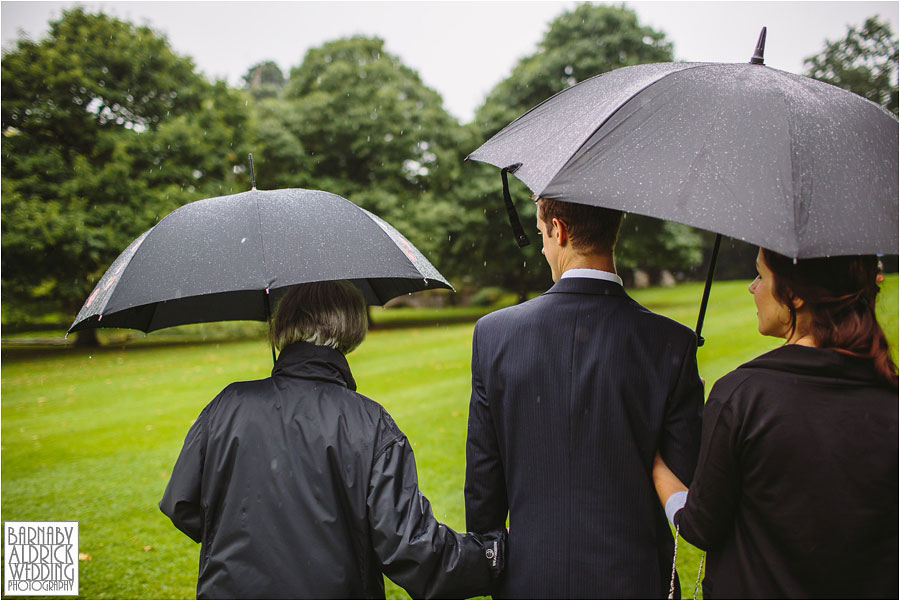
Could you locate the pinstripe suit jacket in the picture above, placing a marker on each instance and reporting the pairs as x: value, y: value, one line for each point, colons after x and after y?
x: 573, y: 392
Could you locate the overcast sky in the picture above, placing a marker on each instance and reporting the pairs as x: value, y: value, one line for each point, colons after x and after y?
x: 461, y: 49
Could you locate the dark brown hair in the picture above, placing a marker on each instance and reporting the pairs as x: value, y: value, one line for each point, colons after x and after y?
x: 840, y: 294
x: 593, y: 230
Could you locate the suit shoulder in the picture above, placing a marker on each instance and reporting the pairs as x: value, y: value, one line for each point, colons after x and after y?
x: 663, y: 324
x: 513, y: 313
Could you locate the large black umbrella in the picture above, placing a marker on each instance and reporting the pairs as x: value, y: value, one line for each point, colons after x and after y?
x: 225, y: 258
x: 786, y: 162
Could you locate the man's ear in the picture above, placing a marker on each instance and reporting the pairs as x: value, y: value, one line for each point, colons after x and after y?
x: 798, y: 303
x: 560, y: 232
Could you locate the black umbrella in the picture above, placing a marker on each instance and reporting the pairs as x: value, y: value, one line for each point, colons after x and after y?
x: 224, y: 258
x: 786, y: 162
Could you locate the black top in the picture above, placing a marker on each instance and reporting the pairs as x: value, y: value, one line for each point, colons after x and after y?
x: 298, y: 487
x: 573, y: 392
x: 795, y: 493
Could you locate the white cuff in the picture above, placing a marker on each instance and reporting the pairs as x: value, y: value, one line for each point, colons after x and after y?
x: 675, y: 502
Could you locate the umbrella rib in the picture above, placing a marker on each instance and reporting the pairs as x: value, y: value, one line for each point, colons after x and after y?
x: 608, y: 117
x: 796, y: 190
x: 415, y: 267
x: 690, y: 168
x: 116, y: 277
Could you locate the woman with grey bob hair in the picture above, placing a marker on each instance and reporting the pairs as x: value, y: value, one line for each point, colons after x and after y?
x: 297, y: 486
x: 329, y: 314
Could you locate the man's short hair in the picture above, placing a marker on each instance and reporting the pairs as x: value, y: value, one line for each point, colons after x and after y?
x: 329, y: 313
x: 592, y: 230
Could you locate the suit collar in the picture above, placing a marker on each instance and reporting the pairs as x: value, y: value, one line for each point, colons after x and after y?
x: 314, y: 362
x: 587, y: 286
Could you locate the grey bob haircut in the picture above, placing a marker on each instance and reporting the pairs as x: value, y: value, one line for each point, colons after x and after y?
x: 331, y: 313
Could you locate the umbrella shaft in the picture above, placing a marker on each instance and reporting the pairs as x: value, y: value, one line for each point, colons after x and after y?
x: 269, y: 320
x: 706, y: 289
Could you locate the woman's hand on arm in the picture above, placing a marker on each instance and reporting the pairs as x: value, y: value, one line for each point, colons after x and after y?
x: 667, y: 483
x: 672, y: 491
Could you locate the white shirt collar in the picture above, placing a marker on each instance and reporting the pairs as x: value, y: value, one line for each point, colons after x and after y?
x: 597, y: 274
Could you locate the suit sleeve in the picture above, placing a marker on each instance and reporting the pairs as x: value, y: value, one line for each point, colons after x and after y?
x: 181, y: 500
x: 680, y: 438
x: 709, y: 513
x: 425, y: 557
x: 485, y: 491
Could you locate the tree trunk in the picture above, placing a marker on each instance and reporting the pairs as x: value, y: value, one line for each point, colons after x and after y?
x: 87, y: 339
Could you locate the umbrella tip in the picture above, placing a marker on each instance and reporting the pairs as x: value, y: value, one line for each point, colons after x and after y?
x: 757, y: 58
x: 252, y: 174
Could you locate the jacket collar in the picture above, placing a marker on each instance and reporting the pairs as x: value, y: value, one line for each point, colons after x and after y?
x: 804, y: 360
x: 587, y: 286
x: 314, y: 362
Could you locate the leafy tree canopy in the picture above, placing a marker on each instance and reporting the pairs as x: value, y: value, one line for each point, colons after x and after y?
x: 864, y: 62
x: 587, y: 41
x: 264, y: 80
x: 94, y: 73
x: 105, y: 130
x: 366, y: 118
x: 369, y: 129
x: 584, y: 42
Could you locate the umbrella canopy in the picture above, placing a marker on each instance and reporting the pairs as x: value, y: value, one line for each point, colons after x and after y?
x: 223, y: 258
x: 786, y: 162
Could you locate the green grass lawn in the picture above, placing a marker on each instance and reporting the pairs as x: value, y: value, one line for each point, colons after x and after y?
x: 90, y: 436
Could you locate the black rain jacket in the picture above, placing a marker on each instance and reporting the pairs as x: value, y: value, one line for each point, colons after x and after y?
x: 795, y: 494
x: 298, y: 487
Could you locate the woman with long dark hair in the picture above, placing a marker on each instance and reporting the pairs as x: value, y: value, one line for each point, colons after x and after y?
x: 796, y: 489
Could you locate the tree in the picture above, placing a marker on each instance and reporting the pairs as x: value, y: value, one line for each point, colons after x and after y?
x: 105, y: 130
x: 587, y: 41
x: 264, y: 80
x: 356, y: 121
x: 864, y: 62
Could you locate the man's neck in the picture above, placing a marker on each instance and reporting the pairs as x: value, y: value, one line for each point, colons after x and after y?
x: 604, y: 262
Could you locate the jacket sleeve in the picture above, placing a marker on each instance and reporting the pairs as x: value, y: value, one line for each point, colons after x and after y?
x: 680, y: 437
x: 181, y: 500
x: 709, y: 513
x: 486, y: 501
x: 425, y: 557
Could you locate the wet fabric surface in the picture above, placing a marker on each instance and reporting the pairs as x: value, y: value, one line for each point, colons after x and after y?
x: 778, y: 160
x: 298, y: 487
x: 218, y: 259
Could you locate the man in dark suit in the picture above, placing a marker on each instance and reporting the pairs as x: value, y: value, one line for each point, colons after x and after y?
x: 573, y: 393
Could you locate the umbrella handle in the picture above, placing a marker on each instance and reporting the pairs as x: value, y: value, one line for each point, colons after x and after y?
x: 518, y: 232
x: 706, y: 289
